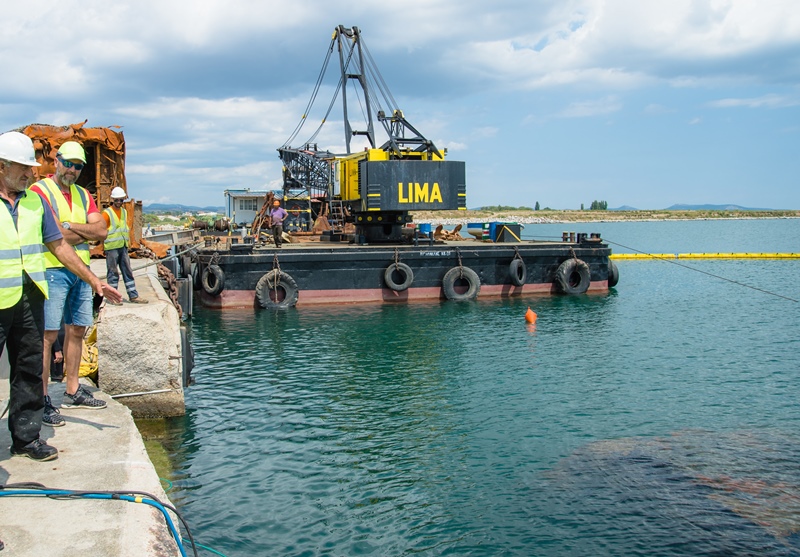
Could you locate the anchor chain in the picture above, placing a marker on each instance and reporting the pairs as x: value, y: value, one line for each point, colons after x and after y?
x: 172, y: 287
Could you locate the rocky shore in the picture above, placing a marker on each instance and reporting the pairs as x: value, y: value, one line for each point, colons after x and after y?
x: 558, y: 217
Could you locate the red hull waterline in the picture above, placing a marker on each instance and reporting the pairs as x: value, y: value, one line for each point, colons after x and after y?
x: 231, y: 299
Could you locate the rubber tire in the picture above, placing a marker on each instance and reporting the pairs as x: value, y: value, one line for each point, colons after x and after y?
x: 518, y: 272
x: 213, y: 280
x: 403, y: 269
x: 565, y: 275
x: 613, y: 274
x: 285, y: 282
x: 453, y: 275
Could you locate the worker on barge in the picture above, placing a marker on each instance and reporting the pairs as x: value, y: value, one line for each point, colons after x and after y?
x: 277, y: 215
x: 26, y: 226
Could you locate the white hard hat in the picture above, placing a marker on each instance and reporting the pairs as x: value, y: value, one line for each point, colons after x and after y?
x: 17, y: 147
x: 118, y: 193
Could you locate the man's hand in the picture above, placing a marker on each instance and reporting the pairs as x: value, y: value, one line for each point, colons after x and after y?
x: 104, y: 289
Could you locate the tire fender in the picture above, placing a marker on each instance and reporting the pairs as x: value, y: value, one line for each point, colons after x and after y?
x: 404, y: 271
x: 213, y: 280
x: 285, y: 284
x: 573, y: 276
x: 518, y: 272
x: 613, y: 274
x: 453, y: 275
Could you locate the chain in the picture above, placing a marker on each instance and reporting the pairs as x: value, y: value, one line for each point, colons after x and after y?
x: 172, y: 286
x: 276, y: 270
x: 460, y: 264
x: 396, y: 258
x: 516, y: 253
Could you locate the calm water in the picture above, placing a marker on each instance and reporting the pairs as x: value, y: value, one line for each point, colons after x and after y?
x: 658, y: 419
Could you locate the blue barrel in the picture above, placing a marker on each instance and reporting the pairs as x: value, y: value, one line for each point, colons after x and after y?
x: 425, y: 228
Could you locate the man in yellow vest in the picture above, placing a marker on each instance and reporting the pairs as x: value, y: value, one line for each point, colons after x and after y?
x: 70, y: 299
x: 26, y: 227
x: 116, y: 246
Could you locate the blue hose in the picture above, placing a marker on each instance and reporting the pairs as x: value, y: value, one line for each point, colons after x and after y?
x: 86, y: 495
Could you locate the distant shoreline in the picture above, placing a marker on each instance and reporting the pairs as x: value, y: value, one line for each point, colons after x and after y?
x: 567, y: 217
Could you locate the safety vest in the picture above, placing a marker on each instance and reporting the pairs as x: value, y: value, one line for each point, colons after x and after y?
x: 118, y: 232
x: 21, y: 249
x: 78, y: 214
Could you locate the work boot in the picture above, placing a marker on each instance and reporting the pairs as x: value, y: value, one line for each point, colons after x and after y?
x: 37, y: 450
x: 137, y: 300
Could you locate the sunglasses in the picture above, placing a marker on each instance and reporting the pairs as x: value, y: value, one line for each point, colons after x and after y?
x: 69, y: 164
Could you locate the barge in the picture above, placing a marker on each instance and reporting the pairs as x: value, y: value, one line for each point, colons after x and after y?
x: 245, y: 275
x: 364, y: 246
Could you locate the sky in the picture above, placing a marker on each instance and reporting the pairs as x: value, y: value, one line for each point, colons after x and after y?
x: 639, y: 103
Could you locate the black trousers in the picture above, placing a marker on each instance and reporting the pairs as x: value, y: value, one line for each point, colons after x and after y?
x: 277, y: 234
x: 21, y: 332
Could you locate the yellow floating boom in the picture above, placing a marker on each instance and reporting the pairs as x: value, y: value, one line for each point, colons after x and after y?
x: 705, y: 256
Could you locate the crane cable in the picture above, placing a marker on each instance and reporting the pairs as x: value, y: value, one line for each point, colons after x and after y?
x: 314, y: 94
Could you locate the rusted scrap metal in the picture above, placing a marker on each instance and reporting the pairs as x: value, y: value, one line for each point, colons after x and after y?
x: 452, y: 235
x: 159, y: 250
x: 105, y: 165
x: 105, y: 154
x: 262, y: 219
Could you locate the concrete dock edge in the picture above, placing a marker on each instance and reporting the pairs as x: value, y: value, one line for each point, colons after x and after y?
x: 99, y: 451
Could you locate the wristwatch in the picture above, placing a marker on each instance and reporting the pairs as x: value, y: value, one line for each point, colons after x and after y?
x: 65, y: 225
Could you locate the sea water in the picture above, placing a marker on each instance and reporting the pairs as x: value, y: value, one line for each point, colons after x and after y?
x: 659, y: 418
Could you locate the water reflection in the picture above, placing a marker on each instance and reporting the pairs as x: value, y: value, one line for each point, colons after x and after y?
x: 690, y: 493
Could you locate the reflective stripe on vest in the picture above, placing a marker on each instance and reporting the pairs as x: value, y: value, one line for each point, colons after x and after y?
x: 77, y: 214
x: 118, y: 232
x: 21, y: 249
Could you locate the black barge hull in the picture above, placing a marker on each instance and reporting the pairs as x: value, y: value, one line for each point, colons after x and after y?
x: 233, y: 276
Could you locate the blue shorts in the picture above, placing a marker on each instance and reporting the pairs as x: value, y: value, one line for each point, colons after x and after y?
x: 70, y: 299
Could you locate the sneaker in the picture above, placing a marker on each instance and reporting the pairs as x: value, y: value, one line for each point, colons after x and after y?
x: 52, y: 416
x: 114, y: 303
x: 37, y: 450
x: 82, y: 399
x: 137, y: 300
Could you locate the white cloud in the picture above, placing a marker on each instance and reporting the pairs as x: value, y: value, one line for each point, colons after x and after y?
x: 765, y: 101
x: 596, y: 107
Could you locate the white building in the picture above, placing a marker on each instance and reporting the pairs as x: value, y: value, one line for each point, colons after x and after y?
x: 242, y: 206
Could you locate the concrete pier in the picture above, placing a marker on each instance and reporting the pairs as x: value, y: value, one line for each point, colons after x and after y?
x: 99, y: 450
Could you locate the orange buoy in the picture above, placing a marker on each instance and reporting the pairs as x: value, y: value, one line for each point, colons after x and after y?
x: 530, y: 316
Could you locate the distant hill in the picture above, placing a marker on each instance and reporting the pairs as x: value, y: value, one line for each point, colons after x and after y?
x: 713, y: 208
x: 178, y: 208
x: 623, y: 208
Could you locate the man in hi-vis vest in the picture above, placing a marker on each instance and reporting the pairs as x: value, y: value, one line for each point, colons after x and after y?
x: 116, y: 245
x: 70, y: 298
x: 26, y: 227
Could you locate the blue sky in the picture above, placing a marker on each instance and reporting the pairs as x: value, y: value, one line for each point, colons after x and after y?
x: 642, y: 103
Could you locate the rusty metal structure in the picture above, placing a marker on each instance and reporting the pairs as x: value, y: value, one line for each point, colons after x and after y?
x: 105, y: 164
